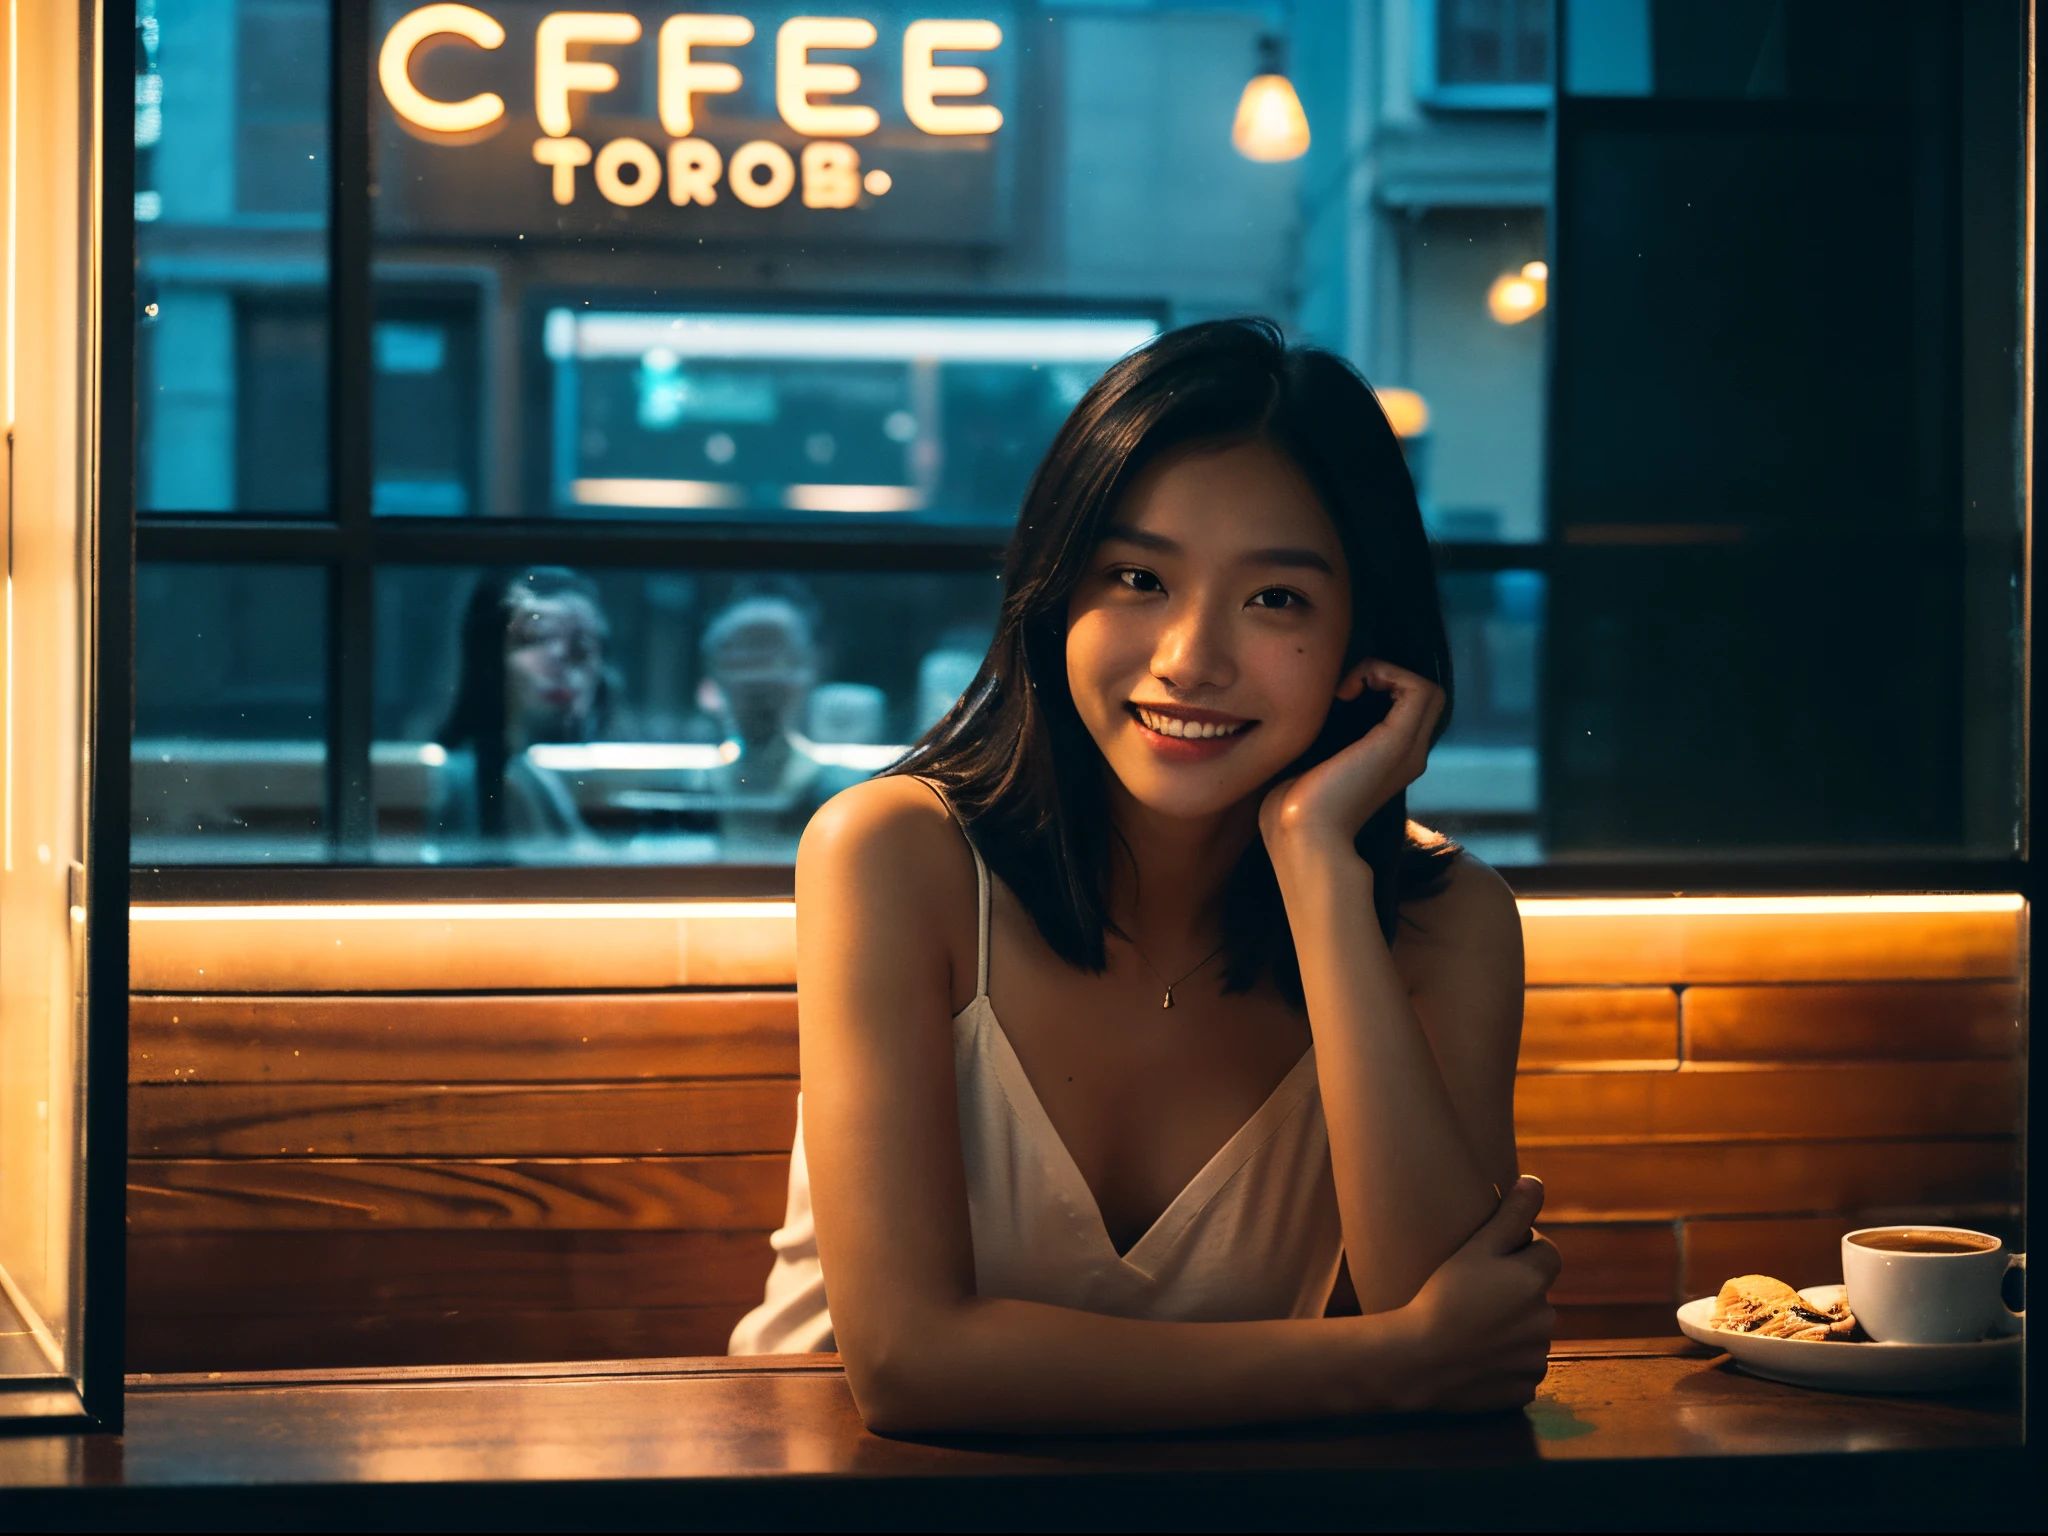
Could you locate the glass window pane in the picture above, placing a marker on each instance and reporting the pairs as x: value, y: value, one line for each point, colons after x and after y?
x: 550, y: 715
x: 230, y: 755
x: 1482, y: 784
x: 231, y: 204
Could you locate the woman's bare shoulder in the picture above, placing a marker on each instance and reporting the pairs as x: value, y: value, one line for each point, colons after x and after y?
x: 1469, y: 921
x: 892, y: 838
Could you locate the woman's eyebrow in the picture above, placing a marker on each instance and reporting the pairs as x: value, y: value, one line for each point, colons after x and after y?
x: 1293, y: 559
x: 1124, y: 533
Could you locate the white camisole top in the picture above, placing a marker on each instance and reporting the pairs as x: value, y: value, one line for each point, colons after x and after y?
x: 1254, y: 1235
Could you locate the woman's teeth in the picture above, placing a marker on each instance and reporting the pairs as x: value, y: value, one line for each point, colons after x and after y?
x: 1189, y: 730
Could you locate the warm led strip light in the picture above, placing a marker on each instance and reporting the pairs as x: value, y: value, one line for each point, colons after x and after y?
x: 618, y: 911
x: 463, y: 911
x: 1762, y: 906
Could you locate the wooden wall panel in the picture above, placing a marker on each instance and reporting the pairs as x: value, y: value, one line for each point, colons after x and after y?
x: 544, y: 1037
x: 166, y: 1342
x: 1936, y: 1021
x: 1575, y: 1026
x: 1615, y: 1265
x: 689, y: 1194
x: 463, y: 947
x: 1662, y: 1181
x: 460, y: 1120
x: 233, y: 1275
x: 1584, y: 943
x: 1748, y: 1101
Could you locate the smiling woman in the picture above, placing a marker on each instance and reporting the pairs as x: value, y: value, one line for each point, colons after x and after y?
x: 1219, y: 665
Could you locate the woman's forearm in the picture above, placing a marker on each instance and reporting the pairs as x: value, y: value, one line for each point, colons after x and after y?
x: 993, y: 1364
x: 1410, y: 1187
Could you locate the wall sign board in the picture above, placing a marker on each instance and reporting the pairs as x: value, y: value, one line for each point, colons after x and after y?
x: 513, y: 118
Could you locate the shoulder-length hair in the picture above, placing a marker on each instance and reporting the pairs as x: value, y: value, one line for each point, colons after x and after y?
x: 476, y: 719
x: 1013, y: 755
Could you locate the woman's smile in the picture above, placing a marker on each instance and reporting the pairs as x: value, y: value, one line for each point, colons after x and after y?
x: 1182, y: 734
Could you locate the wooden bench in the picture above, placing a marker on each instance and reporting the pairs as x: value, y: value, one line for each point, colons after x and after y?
x: 420, y: 1135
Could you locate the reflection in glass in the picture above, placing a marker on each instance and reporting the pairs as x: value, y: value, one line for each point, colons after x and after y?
x: 808, y: 416
x: 229, y: 758
x: 553, y: 716
x: 231, y: 212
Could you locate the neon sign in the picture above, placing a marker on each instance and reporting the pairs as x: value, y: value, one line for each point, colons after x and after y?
x: 626, y: 171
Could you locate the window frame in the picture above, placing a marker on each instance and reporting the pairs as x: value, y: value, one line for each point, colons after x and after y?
x: 351, y: 544
x: 1432, y: 91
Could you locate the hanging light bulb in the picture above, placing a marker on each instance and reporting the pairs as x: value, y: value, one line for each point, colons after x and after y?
x: 1515, y: 296
x: 1270, y: 124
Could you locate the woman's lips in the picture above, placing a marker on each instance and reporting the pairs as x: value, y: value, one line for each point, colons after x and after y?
x: 1185, y: 735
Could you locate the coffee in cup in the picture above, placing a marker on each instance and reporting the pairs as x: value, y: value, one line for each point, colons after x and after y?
x: 1911, y: 1284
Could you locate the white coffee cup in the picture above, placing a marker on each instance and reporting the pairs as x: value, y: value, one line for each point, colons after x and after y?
x: 1914, y: 1284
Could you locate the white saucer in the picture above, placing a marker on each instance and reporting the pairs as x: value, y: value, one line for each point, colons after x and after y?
x: 1867, y: 1366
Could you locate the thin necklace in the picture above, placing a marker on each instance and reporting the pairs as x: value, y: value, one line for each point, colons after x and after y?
x: 1170, y: 985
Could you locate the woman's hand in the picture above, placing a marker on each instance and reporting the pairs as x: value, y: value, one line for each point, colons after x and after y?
x: 1481, y: 1325
x: 1324, y: 807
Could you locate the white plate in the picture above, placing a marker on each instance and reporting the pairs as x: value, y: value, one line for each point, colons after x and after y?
x: 1856, y: 1367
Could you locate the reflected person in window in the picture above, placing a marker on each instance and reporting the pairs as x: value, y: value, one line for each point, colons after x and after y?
x: 533, y: 672
x: 1103, y: 1099
x: 761, y: 664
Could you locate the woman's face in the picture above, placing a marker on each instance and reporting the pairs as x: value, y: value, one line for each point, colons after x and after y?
x: 1206, y: 640
x: 554, y: 657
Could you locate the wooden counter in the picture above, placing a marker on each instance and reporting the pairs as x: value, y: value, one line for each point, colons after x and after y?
x: 1623, y: 1434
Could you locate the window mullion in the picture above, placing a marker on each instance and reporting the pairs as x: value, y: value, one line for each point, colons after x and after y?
x: 350, y: 794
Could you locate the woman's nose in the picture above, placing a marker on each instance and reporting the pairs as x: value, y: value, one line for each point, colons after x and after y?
x: 1194, y: 650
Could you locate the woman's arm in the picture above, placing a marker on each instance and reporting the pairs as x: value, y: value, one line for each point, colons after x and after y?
x: 885, y: 912
x: 1418, y: 1090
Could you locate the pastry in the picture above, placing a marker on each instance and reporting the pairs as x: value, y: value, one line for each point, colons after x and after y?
x: 1761, y: 1305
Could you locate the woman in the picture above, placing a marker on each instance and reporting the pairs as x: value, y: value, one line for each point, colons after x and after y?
x: 1098, y: 1096
x: 533, y: 671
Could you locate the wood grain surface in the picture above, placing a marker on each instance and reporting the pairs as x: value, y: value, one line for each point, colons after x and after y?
x: 545, y: 1037
x: 1921, y: 1021
x: 742, y: 1193
x: 436, y: 1120
x: 1581, y: 1026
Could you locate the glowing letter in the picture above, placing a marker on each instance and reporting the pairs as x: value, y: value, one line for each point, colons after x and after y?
x: 797, y: 79
x: 618, y: 154
x: 564, y: 155
x: 922, y: 79
x: 831, y: 175
x: 739, y: 175
x: 555, y: 74
x: 693, y: 171
x: 394, y: 63
x: 682, y: 76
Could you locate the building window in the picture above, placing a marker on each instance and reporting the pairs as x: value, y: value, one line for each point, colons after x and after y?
x: 1483, y: 54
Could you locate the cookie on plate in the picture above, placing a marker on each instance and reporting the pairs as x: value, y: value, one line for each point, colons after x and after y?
x: 1763, y: 1305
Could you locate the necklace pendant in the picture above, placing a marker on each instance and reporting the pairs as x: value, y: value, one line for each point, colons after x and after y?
x: 1169, y: 999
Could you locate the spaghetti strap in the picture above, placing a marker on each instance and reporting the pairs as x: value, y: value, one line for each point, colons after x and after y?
x: 981, y: 892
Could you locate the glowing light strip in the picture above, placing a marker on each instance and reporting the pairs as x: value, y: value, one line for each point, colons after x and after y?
x: 617, y: 911
x: 862, y: 338
x: 1763, y: 906
x: 657, y: 493
x: 466, y: 912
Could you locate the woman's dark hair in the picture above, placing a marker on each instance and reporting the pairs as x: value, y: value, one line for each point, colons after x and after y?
x: 477, y: 717
x: 1014, y: 756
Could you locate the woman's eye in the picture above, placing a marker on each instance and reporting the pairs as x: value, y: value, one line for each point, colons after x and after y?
x: 1277, y: 597
x: 1137, y: 580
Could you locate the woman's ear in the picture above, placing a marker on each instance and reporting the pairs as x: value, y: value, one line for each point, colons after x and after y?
x: 1352, y: 684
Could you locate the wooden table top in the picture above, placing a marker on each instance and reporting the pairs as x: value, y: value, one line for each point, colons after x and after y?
x: 738, y: 1438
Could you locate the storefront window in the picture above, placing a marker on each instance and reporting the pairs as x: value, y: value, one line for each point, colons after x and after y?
x: 683, y: 314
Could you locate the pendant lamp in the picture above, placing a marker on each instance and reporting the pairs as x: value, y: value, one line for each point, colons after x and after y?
x: 1270, y: 124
